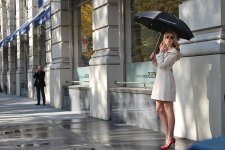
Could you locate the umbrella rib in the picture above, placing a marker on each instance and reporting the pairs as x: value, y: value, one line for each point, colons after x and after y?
x: 167, y: 21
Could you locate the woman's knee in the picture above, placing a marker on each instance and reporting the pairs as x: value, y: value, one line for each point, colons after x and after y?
x: 160, y: 108
x: 168, y: 107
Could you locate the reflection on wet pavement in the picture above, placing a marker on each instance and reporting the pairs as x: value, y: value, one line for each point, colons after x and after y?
x: 82, y: 134
x: 47, y: 128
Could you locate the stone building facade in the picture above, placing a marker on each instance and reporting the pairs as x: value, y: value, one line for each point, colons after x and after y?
x: 29, y: 38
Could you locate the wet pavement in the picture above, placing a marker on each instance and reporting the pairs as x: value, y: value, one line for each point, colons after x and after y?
x: 25, y: 126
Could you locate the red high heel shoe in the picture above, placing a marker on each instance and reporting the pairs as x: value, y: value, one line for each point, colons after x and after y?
x: 167, y: 146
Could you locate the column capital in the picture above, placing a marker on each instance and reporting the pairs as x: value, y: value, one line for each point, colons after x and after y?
x: 202, y: 14
x: 206, y: 19
x: 106, y: 33
x: 105, y: 57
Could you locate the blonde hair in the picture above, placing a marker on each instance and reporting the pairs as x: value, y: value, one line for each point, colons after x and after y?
x: 175, y: 42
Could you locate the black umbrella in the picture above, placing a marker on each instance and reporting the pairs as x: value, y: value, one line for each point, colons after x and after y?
x: 162, y: 21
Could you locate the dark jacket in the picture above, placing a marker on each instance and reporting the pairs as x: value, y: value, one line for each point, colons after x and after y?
x: 39, y: 78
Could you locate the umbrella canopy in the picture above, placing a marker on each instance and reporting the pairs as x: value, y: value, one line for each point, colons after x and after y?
x: 162, y: 21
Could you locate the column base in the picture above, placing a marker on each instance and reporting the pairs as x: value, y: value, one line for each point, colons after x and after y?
x: 102, y: 78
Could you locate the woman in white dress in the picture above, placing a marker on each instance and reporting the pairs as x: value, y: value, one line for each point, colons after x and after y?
x: 164, y: 89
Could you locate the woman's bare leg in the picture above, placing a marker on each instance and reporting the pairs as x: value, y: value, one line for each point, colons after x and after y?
x: 168, y: 106
x: 162, y: 115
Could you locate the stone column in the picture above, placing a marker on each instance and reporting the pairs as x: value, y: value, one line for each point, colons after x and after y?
x: 41, y: 45
x: 1, y: 66
x: 60, y: 68
x: 22, y: 43
x: 48, y: 49
x: 4, y: 49
x: 11, y: 74
x: 200, y: 75
x: 33, y: 48
x: 105, y: 62
x: 4, y: 68
x: 1, y: 48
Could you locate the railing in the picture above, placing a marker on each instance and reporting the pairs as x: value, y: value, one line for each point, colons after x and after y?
x: 78, y: 83
x: 116, y: 83
x: 124, y: 83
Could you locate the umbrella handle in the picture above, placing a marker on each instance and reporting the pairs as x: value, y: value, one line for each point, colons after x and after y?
x: 157, y: 44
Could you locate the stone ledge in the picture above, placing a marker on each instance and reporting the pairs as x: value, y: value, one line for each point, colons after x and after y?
x: 147, y: 91
x: 81, y: 87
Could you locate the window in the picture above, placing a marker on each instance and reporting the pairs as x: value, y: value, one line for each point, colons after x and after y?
x: 82, y: 39
x: 85, y: 37
x: 143, y: 39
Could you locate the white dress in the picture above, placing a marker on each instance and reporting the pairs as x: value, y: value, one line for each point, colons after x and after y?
x: 164, y: 88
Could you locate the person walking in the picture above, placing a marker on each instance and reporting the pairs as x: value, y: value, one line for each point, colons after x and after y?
x: 164, y: 89
x: 39, y: 83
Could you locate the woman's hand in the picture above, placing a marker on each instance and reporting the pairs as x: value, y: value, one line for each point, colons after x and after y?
x: 162, y: 47
x: 153, y: 57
